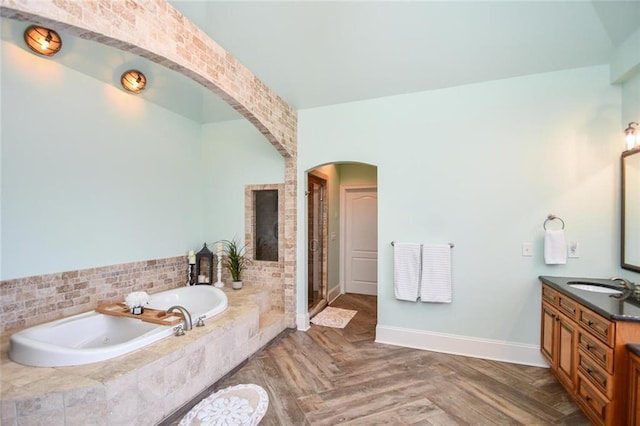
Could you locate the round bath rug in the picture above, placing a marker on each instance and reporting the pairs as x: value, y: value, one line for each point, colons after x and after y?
x: 243, y: 405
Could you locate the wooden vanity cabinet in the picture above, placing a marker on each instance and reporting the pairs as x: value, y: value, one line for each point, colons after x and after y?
x: 587, y: 354
x: 558, y: 337
x: 634, y: 389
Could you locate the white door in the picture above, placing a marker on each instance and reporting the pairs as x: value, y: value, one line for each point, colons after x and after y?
x: 361, y: 241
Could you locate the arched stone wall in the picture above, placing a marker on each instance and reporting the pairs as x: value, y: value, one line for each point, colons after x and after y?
x: 153, y: 29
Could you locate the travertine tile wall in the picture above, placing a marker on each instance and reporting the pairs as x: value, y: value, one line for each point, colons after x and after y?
x: 154, y: 30
x: 290, y: 239
x: 34, y: 300
x: 268, y: 275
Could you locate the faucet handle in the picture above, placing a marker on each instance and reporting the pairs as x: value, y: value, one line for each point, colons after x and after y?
x: 179, y: 330
x: 200, y: 322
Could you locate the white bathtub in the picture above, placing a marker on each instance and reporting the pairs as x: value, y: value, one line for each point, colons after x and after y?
x: 92, y: 336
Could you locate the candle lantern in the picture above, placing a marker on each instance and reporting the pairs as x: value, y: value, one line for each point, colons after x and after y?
x: 204, y: 266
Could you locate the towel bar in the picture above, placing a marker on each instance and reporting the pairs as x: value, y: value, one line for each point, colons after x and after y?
x: 450, y: 244
x: 552, y: 217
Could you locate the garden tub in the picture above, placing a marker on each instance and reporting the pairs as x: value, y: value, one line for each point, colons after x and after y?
x: 92, y: 336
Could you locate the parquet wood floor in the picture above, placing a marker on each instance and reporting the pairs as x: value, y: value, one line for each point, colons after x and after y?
x: 329, y: 376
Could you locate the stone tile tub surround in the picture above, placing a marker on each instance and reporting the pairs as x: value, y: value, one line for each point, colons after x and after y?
x: 38, y: 299
x: 147, y: 385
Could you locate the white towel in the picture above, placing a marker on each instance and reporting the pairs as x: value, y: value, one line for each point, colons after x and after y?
x: 435, y: 284
x: 406, y: 270
x: 555, y: 247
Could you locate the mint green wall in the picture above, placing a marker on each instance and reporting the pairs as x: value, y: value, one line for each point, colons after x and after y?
x: 357, y: 174
x: 91, y: 175
x: 481, y: 166
x: 625, y: 70
x: 94, y: 176
x: 631, y: 112
x: 631, y: 101
x: 234, y: 154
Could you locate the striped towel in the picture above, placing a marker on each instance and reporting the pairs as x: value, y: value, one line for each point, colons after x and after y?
x: 435, y: 283
x: 406, y: 270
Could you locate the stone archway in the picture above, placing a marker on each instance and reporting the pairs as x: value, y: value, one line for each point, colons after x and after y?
x: 158, y: 32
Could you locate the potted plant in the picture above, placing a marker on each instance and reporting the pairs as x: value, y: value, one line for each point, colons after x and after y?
x: 237, y: 261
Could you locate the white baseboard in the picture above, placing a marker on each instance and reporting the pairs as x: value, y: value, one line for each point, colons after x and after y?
x: 302, y: 321
x: 333, y: 294
x: 516, y: 353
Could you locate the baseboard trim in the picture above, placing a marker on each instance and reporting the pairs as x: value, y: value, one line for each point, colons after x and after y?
x: 516, y: 353
x: 333, y: 294
x: 302, y: 321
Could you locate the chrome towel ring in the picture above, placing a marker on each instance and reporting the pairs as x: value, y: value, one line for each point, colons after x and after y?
x: 551, y: 217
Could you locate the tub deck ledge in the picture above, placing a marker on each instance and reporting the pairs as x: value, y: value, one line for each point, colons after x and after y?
x: 144, y: 386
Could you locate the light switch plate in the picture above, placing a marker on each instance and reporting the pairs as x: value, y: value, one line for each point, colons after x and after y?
x: 527, y: 249
x: 573, y: 249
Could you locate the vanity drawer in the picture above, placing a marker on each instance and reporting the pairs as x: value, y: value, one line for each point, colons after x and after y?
x: 601, y: 353
x: 596, y: 406
x: 549, y: 295
x: 600, y: 327
x: 597, y: 376
x: 567, y: 306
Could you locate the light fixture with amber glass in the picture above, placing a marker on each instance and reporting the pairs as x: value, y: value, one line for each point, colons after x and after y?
x: 133, y: 81
x: 42, y: 40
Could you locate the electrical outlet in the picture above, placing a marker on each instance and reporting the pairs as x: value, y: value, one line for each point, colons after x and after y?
x: 527, y: 249
x: 573, y: 249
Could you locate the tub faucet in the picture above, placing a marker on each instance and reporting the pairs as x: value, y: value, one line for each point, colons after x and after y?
x: 185, y: 314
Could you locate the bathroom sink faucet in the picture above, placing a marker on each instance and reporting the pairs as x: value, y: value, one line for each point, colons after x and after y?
x: 185, y: 314
x: 626, y: 284
x: 628, y: 287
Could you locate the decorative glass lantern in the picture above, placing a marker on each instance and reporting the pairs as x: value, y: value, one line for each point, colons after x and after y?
x: 204, y: 266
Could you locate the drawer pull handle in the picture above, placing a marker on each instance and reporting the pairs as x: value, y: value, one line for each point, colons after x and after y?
x: 589, y: 347
x: 590, y: 323
x: 589, y: 370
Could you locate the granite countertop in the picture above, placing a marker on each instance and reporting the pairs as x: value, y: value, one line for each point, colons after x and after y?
x: 634, y: 347
x: 608, y: 307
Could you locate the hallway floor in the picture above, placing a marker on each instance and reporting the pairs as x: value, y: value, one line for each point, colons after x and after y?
x: 329, y: 376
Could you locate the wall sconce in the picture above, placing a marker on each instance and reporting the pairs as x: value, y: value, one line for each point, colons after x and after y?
x: 133, y: 81
x: 42, y: 40
x: 631, y: 135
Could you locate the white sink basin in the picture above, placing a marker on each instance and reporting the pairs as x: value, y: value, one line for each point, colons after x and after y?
x: 596, y: 288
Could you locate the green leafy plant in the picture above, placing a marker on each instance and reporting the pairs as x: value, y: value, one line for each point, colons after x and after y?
x: 237, y: 260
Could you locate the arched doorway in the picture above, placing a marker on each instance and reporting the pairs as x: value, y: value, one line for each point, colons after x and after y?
x: 341, y: 229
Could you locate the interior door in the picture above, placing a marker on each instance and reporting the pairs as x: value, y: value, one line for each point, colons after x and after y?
x: 361, y: 241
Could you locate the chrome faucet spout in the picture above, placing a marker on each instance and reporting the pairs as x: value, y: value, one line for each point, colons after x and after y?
x: 628, y: 288
x: 625, y: 283
x: 185, y: 313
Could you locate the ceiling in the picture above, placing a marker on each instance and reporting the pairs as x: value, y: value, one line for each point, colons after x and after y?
x: 316, y: 53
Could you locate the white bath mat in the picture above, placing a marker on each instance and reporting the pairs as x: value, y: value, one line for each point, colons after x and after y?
x: 242, y: 405
x: 334, y: 317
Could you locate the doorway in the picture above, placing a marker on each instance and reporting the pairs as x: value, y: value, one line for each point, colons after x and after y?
x: 316, y: 243
x: 327, y: 232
